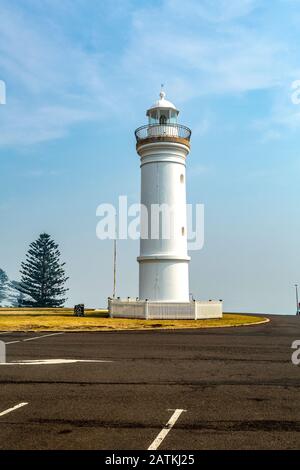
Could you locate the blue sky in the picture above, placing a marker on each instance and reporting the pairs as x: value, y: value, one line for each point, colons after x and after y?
x: 80, y: 75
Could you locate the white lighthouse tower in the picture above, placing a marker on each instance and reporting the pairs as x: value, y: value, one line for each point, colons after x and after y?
x: 163, y: 146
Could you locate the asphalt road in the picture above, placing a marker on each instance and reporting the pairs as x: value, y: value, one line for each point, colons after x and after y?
x: 238, y: 386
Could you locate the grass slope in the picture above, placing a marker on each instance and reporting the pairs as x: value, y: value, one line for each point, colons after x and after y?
x: 25, y: 319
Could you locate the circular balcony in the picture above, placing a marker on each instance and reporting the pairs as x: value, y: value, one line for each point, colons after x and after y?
x: 163, y: 133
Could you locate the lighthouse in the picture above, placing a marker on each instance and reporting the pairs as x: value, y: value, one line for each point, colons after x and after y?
x: 163, y: 146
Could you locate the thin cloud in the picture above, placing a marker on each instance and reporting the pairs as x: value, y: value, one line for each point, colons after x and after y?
x: 58, y: 77
x: 198, y: 170
x: 52, y: 83
x: 216, y: 11
x: 282, y: 119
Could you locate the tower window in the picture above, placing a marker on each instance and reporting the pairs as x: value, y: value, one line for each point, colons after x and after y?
x: 181, y: 178
x: 162, y: 119
x: 182, y: 231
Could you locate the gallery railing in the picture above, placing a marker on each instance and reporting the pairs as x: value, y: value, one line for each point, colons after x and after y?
x: 162, y: 130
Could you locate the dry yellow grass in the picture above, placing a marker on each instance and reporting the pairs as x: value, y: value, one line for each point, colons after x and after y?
x: 12, y: 319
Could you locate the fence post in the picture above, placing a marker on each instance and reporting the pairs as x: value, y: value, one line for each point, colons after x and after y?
x: 146, y: 310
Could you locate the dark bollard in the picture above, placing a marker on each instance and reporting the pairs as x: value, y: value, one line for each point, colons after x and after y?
x: 79, y: 310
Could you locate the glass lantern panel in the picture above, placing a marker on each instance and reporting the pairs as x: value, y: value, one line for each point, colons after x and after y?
x: 153, y: 118
x: 173, y: 118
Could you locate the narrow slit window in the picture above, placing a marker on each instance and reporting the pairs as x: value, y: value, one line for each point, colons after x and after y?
x: 181, y: 178
x: 182, y: 231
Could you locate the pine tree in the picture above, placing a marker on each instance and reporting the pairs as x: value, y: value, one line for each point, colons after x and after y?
x: 43, y: 275
x: 3, y: 285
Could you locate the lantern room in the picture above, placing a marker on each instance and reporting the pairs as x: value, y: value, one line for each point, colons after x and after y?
x: 162, y: 111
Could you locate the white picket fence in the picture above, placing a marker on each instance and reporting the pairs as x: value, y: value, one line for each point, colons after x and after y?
x: 127, y: 308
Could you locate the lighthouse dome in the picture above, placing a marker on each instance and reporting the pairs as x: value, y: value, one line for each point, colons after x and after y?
x: 162, y: 103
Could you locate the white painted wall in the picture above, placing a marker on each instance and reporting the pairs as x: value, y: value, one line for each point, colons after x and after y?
x: 163, y: 280
x: 163, y: 271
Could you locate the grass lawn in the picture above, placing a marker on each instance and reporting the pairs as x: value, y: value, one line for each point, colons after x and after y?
x: 56, y: 319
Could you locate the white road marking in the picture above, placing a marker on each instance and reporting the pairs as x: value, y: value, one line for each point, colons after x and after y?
x: 165, y: 431
x: 45, y: 361
x: 35, y: 337
x: 40, y: 362
x: 2, y: 352
x: 43, y: 336
x: 13, y: 409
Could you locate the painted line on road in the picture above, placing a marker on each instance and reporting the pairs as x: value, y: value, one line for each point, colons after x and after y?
x: 13, y: 409
x: 43, y: 336
x: 34, y: 338
x: 41, y: 362
x: 165, y: 431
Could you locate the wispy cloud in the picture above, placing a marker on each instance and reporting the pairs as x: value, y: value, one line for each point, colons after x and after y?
x: 198, y: 170
x: 282, y: 118
x: 30, y: 125
x: 40, y: 172
x: 64, y: 65
x: 52, y: 83
x: 198, y: 58
x: 216, y: 11
x: 202, y: 127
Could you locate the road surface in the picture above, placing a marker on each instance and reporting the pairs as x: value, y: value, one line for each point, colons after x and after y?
x: 237, y: 386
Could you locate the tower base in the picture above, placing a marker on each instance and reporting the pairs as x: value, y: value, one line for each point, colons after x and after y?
x: 155, y: 310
